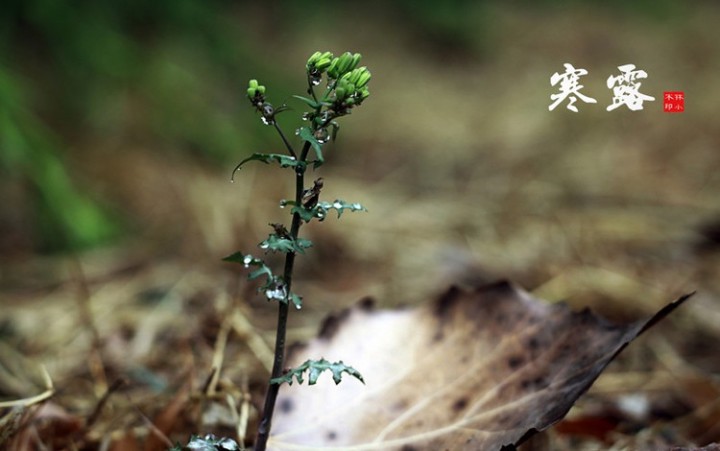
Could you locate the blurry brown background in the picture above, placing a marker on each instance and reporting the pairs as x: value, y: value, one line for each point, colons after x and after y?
x: 120, y: 124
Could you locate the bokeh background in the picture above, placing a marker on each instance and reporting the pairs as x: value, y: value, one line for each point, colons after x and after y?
x: 121, y: 121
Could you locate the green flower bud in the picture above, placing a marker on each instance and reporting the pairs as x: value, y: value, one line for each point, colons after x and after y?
x: 358, y: 76
x: 251, y: 92
x: 340, y: 93
x: 348, y: 76
x: 355, y: 61
x: 261, y: 89
x: 313, y: 58
x: 332, y: 70
x: 345, y: 85
x: 323, y: 64
x: 343, y: 64
x: 363, y: 78
x: 318, y: 62
x: 346, y: 59
x: 253, y: 83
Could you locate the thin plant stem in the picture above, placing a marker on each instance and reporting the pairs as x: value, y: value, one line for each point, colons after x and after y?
x: 283, y: 310
x: 284, y: 140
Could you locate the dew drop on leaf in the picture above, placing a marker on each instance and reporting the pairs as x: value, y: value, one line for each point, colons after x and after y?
x: 279, y: 293
x: 322, y: 136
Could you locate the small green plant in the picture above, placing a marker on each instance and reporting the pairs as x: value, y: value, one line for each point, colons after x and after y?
x: 345, y: 88
x: 208, y: 443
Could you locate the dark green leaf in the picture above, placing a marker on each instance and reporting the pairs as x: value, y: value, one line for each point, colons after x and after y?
x: 237, y: 257
x: 315, y: 368
x: 262, y: 271
x: 306, y: 133
x: 320, y: 210
x: 311, y: 103
x: 274, y: 286
x: 211, y: 443
x: 285, y: 161
x: 340, y: 206
x: 276, y: 243
x: 302, y: 243
x: 305, y: 214
x: 297, y: 300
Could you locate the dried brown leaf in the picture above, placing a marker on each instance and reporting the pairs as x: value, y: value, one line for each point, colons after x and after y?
x: 474, y: 370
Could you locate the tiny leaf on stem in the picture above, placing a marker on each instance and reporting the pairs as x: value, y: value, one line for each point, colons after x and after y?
x: 274, y: 286
x: 275, y: 243
x: 320, y: 210
x: 210, y: 443
x: 285, y: 161
x: 315, y: 368
x: 306, y: 133
x: 340, y: 206
x: 310, y: 102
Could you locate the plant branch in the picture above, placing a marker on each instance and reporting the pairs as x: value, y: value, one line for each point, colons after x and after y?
x: 311, y: 89
x: 283, y: 311
x: 285, y: 141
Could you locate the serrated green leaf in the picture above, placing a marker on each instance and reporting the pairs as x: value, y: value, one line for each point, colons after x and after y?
x: 320, y: 211
x: 285, y: 161
x: 274, y: 286
x: 211, y: 443
x: 340, y: 206
x: 314, y: 373
x: 315, y: 368
x: 275, y: 243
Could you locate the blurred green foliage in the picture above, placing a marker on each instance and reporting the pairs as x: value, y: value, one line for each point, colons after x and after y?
x: 171, y: 75
x: 65, y: 219
x: 152, y: 72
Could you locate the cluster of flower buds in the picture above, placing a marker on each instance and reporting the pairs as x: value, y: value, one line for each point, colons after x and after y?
x: 347, y: 83
x: 256, y: 94
x: 255, y: 91
x: 351, y: 88
x: 322, y: 62
x: 343, y: 64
